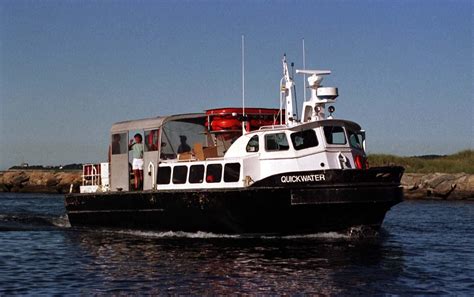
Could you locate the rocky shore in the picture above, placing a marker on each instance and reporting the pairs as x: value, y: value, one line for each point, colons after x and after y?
x: 441, y: 186
x: 40, y: 181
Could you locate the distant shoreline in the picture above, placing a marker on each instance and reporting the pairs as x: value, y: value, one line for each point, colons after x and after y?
x: 460, y: 162
x: 431, y: 186
x: 40, y: 180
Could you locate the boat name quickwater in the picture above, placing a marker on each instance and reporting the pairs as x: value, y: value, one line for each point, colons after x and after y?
x: 302, y: 178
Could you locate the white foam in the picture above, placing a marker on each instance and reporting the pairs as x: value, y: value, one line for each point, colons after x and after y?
x: 177, y: 234
x: 62, y: 221
x: 322, y: 235
x: 210, y: 235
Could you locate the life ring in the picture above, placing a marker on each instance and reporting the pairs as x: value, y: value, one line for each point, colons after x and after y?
x: 225, y: 124
x: 255, y: 124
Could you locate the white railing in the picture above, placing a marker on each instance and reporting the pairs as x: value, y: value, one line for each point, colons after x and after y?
x: 90, y: 175
x: 95, y: 178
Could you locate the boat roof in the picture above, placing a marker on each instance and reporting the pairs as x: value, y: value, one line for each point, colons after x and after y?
x: 149, y: 123
x: 157, y: 122
x: 310, y: 125
x: 333, y: 122
x: 248, y: 111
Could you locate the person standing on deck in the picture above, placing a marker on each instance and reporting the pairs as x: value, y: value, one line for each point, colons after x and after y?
x: 136, y: 146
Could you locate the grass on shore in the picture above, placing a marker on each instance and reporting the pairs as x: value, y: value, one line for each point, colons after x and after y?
x: 460, y: 162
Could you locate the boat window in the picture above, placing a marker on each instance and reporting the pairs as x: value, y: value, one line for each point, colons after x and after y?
x: 151, y: 140
x: 334, y: 135
x: 252, y: 145
x: 276, y: 142
x: 355, y: 139
x: 214, y: 173
x: 304, y: 139
x: 196, y: 174
x: 119, y: 144
x: 180, y: 136
x: 231, y: 172
x: 164, y: 175
x: 179, y: 174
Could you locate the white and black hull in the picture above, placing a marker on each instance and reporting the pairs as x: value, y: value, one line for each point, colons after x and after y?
x: 288, y: 203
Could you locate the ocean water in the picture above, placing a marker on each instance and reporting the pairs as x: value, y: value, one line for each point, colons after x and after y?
x: 424, y: 248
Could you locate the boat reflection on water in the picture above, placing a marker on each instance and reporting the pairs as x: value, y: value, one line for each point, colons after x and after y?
x: 326, y: 263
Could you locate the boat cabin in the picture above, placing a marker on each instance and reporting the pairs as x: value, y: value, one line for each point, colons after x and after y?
x: 178, y: 139
x: 183, y: 151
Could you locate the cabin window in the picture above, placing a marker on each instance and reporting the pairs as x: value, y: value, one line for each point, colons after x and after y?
x: 164, y: 175
x: 119, y: 144
x: 151, y: 140
x: 231, y: 172
x: 276, y: 142
x: 180, y: 136
x: 334, y: 135
x: 304, y: 139
x: 252, y: 145
x: 355, y: 139
x: 196, y: 174
x: 214, y: 173
x: 179, y: 174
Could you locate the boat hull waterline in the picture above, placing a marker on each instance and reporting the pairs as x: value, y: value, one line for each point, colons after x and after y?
x: 288, y: 203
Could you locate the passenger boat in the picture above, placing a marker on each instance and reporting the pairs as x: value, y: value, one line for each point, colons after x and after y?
x: 252, y: 170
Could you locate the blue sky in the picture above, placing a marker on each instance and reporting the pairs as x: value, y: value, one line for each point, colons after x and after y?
x: 69, y: 69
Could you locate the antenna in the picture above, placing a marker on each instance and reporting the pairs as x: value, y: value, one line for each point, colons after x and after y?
x: 304, y: 75
x: 294, y: 89
x: 288, y: 93
x: 243, y: 83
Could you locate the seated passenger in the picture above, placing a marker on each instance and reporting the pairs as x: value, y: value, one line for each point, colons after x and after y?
x: 183, y: 147
x: 116, y: 144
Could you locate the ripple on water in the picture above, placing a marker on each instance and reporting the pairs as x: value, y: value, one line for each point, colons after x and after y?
x: 424, y: 248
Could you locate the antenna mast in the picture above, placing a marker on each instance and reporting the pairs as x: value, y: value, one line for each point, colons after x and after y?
x: 243, y: 84
x: 304, y: 75
x: 287, y: 91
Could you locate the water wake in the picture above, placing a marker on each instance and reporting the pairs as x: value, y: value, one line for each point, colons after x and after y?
x: 354, y: 233
x: 28, y: 221
x: 177, y: 234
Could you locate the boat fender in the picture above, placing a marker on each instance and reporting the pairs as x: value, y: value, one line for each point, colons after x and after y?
x: 360, y: 162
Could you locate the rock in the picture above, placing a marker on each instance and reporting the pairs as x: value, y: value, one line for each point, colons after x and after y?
x: 51, y: 182
x: 15, y: 178
x: 66, y: 180
x: 464, y: 188
x: 458, y: 186
x: 39, y: 181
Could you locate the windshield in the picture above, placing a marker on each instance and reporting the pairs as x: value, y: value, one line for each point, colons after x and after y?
x: 334, y: 135
x: 180, y: 137
x: 356, y: 139
x: 276, y: 142
x: 304, y: 139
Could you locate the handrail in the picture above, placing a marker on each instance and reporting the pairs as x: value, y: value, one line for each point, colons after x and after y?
x: 94, y: 175
x: 272, y: 127
x: 152, y: 173
x: 95, y: 178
